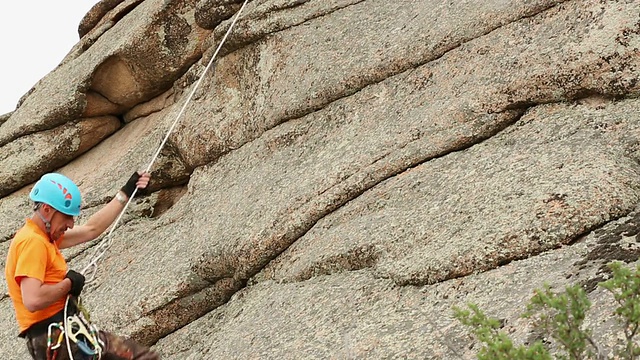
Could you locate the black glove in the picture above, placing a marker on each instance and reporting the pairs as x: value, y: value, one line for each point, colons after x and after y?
x: 77, y: 282
x: 130, y: 186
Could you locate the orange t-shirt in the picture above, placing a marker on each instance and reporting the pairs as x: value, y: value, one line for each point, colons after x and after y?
x: 31, y: 254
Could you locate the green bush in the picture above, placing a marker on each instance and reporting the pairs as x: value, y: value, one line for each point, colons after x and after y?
x: 561, y: 316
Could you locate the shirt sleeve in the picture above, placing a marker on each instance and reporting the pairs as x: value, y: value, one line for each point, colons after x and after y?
x: 32, y: 260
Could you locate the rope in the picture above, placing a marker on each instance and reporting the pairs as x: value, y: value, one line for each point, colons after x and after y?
x: 106, y: 242
x: 65, y: 327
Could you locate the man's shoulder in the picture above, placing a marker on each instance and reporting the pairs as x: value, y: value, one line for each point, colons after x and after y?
x: 26, y: 241
x: 27, y: 234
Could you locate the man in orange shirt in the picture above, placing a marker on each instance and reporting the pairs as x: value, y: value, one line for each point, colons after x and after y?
x: 37, y: 274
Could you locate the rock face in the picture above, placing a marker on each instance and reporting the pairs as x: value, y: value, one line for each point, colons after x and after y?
x: 346, y: 173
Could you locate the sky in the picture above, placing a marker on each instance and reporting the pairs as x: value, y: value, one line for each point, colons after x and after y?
x: 35, y: 35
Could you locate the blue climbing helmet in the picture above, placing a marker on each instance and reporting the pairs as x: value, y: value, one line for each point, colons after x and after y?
x: 59, y: 192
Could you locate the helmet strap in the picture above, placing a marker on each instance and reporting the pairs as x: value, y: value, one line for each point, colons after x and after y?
x: 47, y: 223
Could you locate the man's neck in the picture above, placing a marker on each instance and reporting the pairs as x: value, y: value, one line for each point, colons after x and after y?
x: 37, y: 219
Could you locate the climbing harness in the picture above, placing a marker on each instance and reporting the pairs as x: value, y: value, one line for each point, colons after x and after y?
x: 84, y: 334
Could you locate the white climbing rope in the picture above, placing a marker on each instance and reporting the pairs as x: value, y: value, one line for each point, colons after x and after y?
x: 106, y: 242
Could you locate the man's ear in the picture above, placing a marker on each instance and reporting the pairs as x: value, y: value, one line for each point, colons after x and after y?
x: 46, y: 209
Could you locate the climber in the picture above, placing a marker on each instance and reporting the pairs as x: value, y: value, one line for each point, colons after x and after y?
x: 37, y: 275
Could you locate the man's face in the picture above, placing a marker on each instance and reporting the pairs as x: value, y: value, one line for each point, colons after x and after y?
x: 59, y: 223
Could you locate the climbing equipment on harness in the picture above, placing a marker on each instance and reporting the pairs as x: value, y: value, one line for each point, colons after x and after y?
x: 79, y: 330
x: 76, y: 330
x: 84, y: 335
x: 52, y: 349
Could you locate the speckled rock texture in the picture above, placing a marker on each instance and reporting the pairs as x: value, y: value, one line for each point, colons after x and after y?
x: 345, y: 173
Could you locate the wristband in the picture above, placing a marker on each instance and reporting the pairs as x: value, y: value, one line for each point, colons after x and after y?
x: 122, y: 199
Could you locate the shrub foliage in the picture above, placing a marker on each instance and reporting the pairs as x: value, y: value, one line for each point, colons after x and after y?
x: 560, y: 316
